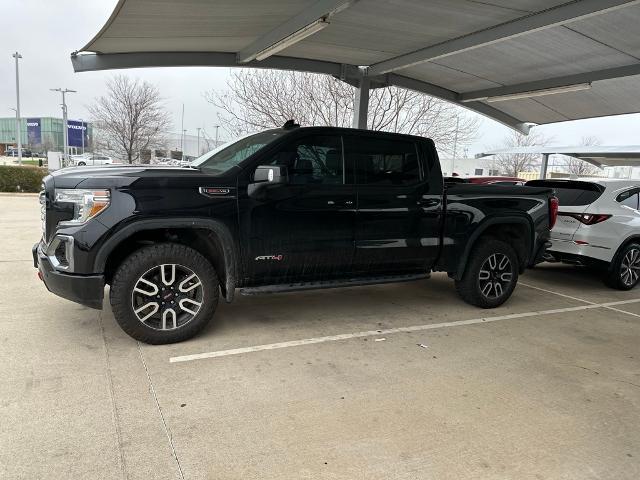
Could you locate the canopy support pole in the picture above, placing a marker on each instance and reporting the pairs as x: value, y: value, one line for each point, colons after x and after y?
x: 361, y: 103
x: 543, y: 167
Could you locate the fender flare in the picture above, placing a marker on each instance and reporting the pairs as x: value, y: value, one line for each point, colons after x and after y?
x: 230, y: 251
x: 482, y: 228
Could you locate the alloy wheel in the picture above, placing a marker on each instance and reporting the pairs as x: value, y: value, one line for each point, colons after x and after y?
x: 495, y: 276
x: 630, y: 267
x: 167, y: 296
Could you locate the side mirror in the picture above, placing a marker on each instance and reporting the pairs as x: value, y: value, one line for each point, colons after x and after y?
x: 270, y: 174
x: 266, y: 177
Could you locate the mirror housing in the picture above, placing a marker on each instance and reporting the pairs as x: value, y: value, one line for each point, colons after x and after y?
x: 266, y: 178
x: 270, y: 174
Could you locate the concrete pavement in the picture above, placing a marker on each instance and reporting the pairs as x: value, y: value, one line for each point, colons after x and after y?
x: 550, y: 392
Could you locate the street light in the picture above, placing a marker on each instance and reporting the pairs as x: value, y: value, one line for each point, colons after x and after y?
x: 65, y: 127
x: 82, y: 131
x: 198, y: 128
x: 17, y: 56
x: 216, y: 127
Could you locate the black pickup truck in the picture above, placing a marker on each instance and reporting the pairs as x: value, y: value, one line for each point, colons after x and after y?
x: 285, y: 209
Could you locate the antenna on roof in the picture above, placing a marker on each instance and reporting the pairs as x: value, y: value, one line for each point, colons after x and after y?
x: 289, y: 124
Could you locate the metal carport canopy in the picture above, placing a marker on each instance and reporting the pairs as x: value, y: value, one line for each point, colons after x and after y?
x: 520, y: 62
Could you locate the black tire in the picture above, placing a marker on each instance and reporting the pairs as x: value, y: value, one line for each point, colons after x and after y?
x: 625, y: 269
x: 142, y: 265
x: 474, y: 286
x: 81, y: 164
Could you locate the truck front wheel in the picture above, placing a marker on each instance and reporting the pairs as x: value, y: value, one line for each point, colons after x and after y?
x: 164, y: 293
x: 491, y: 274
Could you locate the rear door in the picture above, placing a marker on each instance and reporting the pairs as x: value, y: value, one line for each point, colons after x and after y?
x: 399, y: 210
x: 574, y: 198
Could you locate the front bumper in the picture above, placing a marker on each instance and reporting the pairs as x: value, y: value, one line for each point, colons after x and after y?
x: 86, y: 290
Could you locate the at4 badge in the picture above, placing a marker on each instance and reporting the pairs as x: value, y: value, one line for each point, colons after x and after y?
x: 276, y: 258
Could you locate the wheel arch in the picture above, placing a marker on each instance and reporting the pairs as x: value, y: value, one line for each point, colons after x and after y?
x: 630, y: 239
x: 499, y: 227
x: 211, y: 238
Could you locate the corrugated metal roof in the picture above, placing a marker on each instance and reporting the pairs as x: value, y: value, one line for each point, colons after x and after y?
x: 453, y: 49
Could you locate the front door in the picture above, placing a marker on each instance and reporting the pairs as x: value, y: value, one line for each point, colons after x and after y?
x: 399, y: 209
x: 303, y: 229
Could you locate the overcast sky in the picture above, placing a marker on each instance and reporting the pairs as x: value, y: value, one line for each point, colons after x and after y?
x: 45, y: 32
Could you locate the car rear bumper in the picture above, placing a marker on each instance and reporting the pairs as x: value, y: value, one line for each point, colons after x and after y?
x: 86, y: 290
x: 570, y: 247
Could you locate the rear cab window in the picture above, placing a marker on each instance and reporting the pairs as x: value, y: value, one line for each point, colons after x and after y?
x: 571, y: 193
x: 384, y: 161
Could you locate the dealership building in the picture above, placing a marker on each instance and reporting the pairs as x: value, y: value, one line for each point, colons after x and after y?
x: 42, y: 134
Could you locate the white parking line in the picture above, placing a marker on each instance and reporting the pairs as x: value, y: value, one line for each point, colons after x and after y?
x: 389, y: 331
x: 576, y: 298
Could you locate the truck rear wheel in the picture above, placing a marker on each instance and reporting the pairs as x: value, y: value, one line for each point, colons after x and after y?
x: 164, y: 293
x: 491, y: 274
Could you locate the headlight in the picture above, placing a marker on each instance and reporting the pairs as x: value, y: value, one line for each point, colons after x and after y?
x: 86, y: 203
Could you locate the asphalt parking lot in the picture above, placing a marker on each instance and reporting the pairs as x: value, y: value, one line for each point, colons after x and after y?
x: 397, y: 381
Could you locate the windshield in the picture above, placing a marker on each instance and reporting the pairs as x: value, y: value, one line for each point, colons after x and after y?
x: 229, y: 155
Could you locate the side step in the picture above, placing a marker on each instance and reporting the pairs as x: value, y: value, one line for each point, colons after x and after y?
x: 349, y: 282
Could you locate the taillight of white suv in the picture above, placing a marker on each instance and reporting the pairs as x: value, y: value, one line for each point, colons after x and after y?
x: 587, y: 218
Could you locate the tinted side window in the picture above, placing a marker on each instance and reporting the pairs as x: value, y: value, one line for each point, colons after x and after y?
x: 382, y: 161
x: 629, y: 198
x: 312, y: 160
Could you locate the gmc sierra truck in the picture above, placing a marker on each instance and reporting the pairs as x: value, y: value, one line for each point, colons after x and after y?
x: 285, y: 209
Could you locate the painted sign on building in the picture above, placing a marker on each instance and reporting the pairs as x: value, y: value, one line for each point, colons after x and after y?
x: 77, y: 130
x: 34, y: 131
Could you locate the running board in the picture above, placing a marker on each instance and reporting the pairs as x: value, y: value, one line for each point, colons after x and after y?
x: 350, y: 282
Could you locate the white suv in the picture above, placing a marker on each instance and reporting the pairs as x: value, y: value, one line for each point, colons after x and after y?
x: 598, y: 225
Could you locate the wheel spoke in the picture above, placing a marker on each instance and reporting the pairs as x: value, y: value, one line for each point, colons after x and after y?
x: 154, y: 306
x: 484, y: 275
x: 506, y: 277
x: 504, y: 263
x: 163, y: 273
x: 486, y: 290
x: 165, y: 314
x: 498, y: 288
x: 493, y: 261
x: 184, y: 301
x: 148, y: 293
x: 184, y: 287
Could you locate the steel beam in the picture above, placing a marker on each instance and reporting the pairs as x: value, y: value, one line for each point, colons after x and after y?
x: 361, y: 104
x: 451, y: 96
x: 560, y: 15
x: 544, y: 165
x: 320, y: 9
x: 586, y: 77
x: 111, y: 61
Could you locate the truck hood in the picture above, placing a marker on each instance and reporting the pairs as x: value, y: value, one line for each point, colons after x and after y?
x: 116, y: 175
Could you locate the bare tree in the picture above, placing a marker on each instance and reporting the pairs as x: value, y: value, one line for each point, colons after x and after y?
x: 512, y: 164
x: 129, y: 118
x: 256, y: 100
x: 578, y: 167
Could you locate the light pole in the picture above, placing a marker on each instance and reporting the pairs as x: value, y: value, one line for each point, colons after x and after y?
x: 217, y: 127
x: 184, y: 142
x: 65, y: 127
x: 198, y: 141
x: 17, y: 56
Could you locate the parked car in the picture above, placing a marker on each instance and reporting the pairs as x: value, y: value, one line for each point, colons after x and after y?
x: 497, y: 180
x: 14, y: 153
x: 598, y: 225
x: 90, y: 159
x: 285, y: 209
